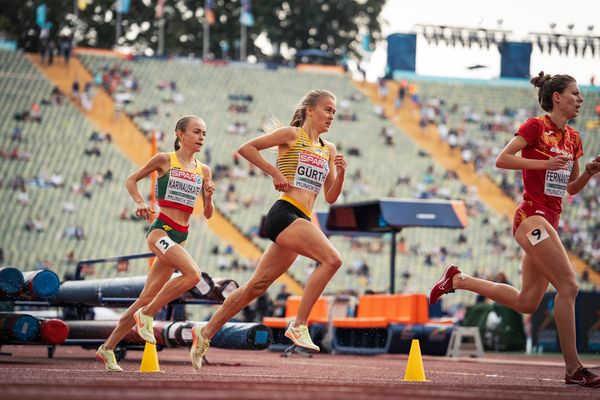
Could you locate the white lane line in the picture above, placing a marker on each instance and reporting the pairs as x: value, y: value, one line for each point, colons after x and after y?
x: 497, y: 376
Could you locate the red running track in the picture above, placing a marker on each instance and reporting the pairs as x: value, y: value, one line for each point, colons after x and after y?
x: 74, y: 373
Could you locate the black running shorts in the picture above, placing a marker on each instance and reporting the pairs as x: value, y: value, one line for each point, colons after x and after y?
x: 280, y: 216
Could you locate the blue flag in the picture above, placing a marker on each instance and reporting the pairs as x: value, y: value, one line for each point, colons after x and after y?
x: 366, y: 42
x: 40, y: 15
x: 123, y: 6
x: 246, y: 17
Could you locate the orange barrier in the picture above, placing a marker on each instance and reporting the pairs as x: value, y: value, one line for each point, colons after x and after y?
x: 372, y: 313
x: 322, y: 69
x: 318, y: 315
x: 378, y: 311
x: 101, y: 52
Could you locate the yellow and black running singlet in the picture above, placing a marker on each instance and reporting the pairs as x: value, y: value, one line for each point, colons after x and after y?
x: 305, y: 165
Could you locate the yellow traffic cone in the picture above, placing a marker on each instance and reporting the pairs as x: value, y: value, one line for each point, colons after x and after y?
x: 414, y: 367
x: 149, y: 359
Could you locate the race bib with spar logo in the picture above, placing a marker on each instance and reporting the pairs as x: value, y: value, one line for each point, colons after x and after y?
x: 183, y: 187
x: 556, y: 181
x: 311, y: 172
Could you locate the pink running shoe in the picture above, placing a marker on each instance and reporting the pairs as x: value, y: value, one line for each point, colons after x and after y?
x: 584, y: 378
x: 444, y: 285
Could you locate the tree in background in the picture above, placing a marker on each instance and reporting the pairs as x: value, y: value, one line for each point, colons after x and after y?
x: 333, y: 26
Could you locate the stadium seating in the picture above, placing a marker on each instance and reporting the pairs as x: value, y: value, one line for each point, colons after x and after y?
x: 376, y: 170
x: 56, y: 146
x: 375, y: 173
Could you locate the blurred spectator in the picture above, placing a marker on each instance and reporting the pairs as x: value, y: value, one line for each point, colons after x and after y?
x: 35, y: 114
x: 66, y: 45
x: 75, y: 90
x: 280, y: 301
x: 17, y: 134
x: 56, y: 96
x: 23, y: 198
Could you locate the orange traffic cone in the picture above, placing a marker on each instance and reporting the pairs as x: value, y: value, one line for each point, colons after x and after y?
x: 414, y: 367
x: 149, y: 359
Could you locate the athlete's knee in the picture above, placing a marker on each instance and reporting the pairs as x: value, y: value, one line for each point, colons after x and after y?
x: 332, y: 259
x: 194, y: 277
x: 528, y: 307
x: 569, y: 289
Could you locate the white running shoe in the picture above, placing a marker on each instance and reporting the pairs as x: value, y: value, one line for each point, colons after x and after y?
x: 300, y: 336
x: 145, y: 326
x: 109, y: 359
x: 199, y: 347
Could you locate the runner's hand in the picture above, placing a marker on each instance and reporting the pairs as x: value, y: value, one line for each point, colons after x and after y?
x: 593, y: 167
x: 143, y: 210
x: 558, y: 162
x: 280, y: 182
x: 208, y: 187
x: 340, y: 164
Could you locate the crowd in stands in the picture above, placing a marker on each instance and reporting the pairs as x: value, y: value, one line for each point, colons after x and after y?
x: 234, y: 177
x: 50, y: 47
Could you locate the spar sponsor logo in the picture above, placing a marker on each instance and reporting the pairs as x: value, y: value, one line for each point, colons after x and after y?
x: 181, y: 174
x: 316, y: 161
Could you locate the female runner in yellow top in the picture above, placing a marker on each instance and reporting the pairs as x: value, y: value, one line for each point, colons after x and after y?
x: 305, y: 165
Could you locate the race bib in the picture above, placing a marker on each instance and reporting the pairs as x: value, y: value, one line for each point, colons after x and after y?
x: 556, y: 182
x: 183, y: 187
x: 311, y: 172
x: 164, y: 244
x: 537, y: 235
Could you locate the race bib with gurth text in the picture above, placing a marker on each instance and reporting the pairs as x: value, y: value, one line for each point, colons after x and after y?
x: 311, y: 172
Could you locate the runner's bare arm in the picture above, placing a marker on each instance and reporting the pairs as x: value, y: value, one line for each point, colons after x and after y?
x: 507, y: 159
x: 251, y: 151
x: 208, y: 188
x: 337, y: 172
x: 578, y: 181
x: 158, y: 163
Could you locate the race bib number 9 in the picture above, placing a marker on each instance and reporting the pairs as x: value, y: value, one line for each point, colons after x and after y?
x: 537, y: 235
x: 164, y: 244
x: 311, y: 172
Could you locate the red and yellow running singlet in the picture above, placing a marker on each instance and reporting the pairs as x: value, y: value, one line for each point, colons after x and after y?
x: 545, y: 140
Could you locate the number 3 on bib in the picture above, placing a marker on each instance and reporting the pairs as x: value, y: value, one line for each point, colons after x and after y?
x: 537, y: 235
x: 164, y: 244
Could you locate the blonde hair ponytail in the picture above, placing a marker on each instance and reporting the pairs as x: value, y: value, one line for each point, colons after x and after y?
x: 310, y: 99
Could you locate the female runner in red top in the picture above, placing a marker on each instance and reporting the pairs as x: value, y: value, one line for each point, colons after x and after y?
x: 550, y: 152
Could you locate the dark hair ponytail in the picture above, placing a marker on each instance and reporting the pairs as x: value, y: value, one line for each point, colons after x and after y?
x: 547, y: 84
x: 182, y: 126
